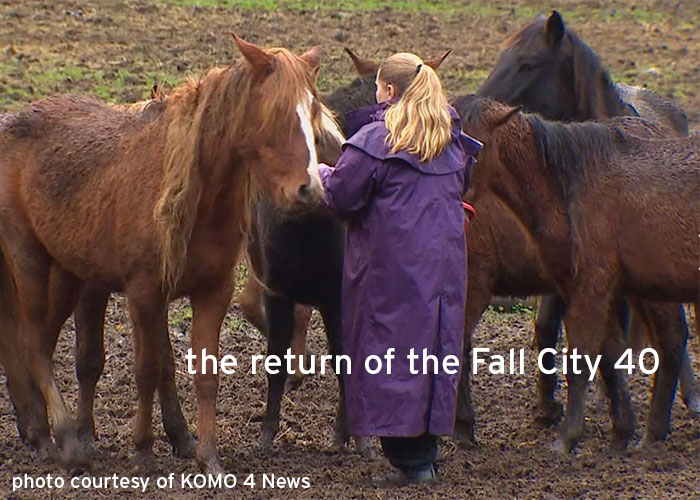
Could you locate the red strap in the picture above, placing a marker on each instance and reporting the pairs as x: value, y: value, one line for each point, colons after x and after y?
x: 469, y: 209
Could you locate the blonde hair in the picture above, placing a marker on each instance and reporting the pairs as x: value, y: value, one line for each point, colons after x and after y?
x: 420, y: 121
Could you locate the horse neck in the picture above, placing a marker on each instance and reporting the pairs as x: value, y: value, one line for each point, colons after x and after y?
x: 614, y: 105
x: 527, y: 189
x: 226, y: 181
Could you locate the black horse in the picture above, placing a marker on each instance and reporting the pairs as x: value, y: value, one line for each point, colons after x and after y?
x: 298, y: 260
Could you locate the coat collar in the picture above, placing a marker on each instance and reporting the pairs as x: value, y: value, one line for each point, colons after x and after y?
x: 367, y: 131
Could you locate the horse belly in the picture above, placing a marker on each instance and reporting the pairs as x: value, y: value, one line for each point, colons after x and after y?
x: 665, y: 270
x: 303, y: 259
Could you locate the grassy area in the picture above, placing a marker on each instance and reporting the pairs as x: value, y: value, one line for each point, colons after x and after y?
x: 118, y: 50
x: 22, y: 80
x: 652, y: 12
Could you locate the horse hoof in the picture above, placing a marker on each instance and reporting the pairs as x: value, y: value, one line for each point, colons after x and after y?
x: 293, y: 384
x: 267, y: 435
x: 564, y: 445
x: 548, y: 415
x: 464, y: 434
x: 87, y: 434
x: 72, y: 456
x: 185, y: 447
x: 363, y: 446
x: 46, y: 451
x: 619, y: 444
x: 211, y: 466
x: 693, y: 405
x: 142, y: 461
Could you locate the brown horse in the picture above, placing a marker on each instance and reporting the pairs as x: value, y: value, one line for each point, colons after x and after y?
x: 153, y: 208
x: 582, y: 211
x: 548, y: 69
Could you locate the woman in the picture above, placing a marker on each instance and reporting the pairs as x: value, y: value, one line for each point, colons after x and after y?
x: 399, y: 183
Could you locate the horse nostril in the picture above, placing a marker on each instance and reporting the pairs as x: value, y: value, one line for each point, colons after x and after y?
x: 304, y: 193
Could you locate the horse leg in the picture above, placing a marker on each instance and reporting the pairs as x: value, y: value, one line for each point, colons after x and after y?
x: 41, y: 296
x: 209, y: 307
x: 280, y: 318
x: 27, y: 401
x: 332, y: 322
x: 592, y: 301
x: 173, y: 420
x: 90, y: 355
x: 30, y: 408
x: 251, y: 301
x: 479, y: 293
x: 690, y: 391
x: 615, y: 382
x: 669, y: 334
x: 302, y: 316
x: 148, y: 312
x: 547, y: 329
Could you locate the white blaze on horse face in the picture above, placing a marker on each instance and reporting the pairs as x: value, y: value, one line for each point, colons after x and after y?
x: 304, y: 113
x: 331, y: 127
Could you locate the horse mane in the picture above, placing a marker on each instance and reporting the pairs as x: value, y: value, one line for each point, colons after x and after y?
x: 596, y: 94
x: 238, y: 107
x: 572, y: 150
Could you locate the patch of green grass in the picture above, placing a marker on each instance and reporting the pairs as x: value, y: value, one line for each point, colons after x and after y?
x: 22, y: 81
x: 181, y: 317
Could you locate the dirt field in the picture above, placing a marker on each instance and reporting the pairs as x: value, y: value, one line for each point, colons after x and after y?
x: 118, y: 50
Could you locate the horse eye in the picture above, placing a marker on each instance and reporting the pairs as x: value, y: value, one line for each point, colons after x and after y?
x: 526, y: 67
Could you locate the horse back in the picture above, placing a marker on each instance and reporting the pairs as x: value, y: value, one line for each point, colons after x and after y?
x: 642, y: 212
x: 652, y: 106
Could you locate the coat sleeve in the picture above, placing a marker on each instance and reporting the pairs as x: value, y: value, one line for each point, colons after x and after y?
x: 349, y: 186
x: 471, y: 162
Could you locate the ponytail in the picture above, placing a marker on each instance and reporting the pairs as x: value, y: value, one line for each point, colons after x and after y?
x: 420, y: 121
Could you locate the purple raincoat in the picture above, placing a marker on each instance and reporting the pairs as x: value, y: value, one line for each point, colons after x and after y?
x: 404, y: 276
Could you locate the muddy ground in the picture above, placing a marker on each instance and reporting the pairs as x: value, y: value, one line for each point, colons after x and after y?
x: 118, y: 50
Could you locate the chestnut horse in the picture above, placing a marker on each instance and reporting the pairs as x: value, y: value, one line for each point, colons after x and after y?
x: 587, y: 185
x: 155, y: 209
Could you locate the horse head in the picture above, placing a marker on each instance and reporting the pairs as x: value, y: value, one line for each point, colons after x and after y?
x: 551, y: 71
x: 282, y: 114
x: 497, y: 126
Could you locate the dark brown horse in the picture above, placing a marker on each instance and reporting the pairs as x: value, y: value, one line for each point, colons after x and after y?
x: 582, y: 211
x: 153, y: 208
x: 549, y: 70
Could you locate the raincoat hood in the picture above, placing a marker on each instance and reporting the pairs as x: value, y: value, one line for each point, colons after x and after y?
x: 368, y: 132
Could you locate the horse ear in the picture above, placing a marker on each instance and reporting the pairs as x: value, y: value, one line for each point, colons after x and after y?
x: 555, y: 28
x: 364, y: 67
x: 312, y: 57
x: 261, y: 61
x: 505, y: 117
x: 435, y: 62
